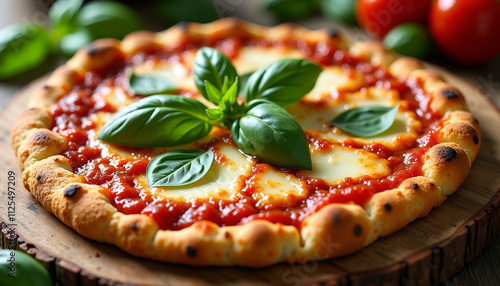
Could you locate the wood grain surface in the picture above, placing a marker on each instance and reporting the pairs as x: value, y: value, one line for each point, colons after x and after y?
x: 428, y: 251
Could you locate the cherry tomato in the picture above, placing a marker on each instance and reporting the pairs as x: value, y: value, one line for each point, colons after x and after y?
x: 467, y: 31
x: 380, y: 16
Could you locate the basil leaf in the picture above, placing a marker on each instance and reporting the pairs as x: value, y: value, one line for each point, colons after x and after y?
x: 270, y: 133
x: 71, y: 43
x: 283, y: 82
x: 213, y: 94
x: 22, y: 47
x: 215, y: 114
x: 244, y: 78
x: 201, y: 11
x: 366, y: 121
x: 178, y: 168
x: 158, y: 121
x: 108, y: 19
x: 228, y: 102
x: 147, y: 85
x: 213, y: 66
x: 62, y: 16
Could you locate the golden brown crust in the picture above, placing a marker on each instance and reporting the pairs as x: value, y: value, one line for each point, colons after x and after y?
x: 448, y: 165
x: 392, y: 210
x: 335, y: 230
x: 462, y: 128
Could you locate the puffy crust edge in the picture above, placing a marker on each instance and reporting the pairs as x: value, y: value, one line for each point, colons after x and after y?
x: 335, y: 230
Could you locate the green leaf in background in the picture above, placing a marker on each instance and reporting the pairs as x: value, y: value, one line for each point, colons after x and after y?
x: 62, y: 16
x: 343, y: 11
x: 158, y: 121
x: 147, y: 85
x: 19, y: 269
x: 108, y: 19
x: 178, y: 168
x: 174, y: 11
x: 22, y: 47
x: 366, y: 121
x: 213, y: 66
x: 283, y: 82
x: 71, y: 43
x: 270, y: 133
x: 291, y: 9
x: 409, y: 39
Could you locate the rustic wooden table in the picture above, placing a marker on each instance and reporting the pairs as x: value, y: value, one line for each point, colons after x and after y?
x: 484, y: 270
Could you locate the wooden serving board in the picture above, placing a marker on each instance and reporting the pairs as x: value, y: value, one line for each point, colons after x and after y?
x: 427, y: 251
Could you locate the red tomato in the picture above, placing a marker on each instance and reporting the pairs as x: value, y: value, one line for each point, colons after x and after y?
x: 380, y: 16
x: 467, y: 31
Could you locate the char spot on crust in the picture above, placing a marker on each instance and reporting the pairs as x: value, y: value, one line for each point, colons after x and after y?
x: 414, y: 186
x: 357, y: 230
x: 450, y: 94
x: 447, y: 153
x: 40, y: 135
x: 332, y: 33
x: 387, y: 207
x: 133, y: 226
x: 226, y: 234
x: 183, y: 25
x: 335, y: 217
x: 191, y: 251
x: 46, y: 86
x: 71, y: 190
x: 475, y: 139
x: 92, y: 50
x: 39, y: 177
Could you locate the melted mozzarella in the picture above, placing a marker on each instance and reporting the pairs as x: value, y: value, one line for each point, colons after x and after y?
x: 338, y: 163
x: 176, y: 72
x: 272, y: 187
x: 331, y: 81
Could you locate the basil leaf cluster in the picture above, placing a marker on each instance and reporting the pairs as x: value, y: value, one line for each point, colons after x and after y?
x: 260, y: 126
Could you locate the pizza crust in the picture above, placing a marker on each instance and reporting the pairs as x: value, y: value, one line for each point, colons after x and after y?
x: 335, y: 230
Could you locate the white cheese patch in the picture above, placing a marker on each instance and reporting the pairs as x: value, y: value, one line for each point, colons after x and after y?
x: 338, y: 163
x: 272, y: 187
x: 251, y: 59
x: 331, y: 81
x: 176, y: 72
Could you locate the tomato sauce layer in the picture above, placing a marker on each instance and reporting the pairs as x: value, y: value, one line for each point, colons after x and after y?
x: 73, y: 118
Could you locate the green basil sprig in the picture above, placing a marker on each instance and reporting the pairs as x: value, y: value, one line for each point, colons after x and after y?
x: 283, y: 82
x: 178, y: 168
x: 366, y: 121
x: 270, y: 133
x: 213, y: 66
x: 147, y: 85
x: 260, y: 127
x: 158, y: 121
x: 22, y: 47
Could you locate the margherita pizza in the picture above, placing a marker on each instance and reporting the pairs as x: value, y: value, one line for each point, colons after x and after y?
x: 235, y: 144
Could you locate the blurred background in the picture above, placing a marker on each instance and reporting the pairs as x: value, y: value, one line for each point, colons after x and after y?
x: 461, y: 35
